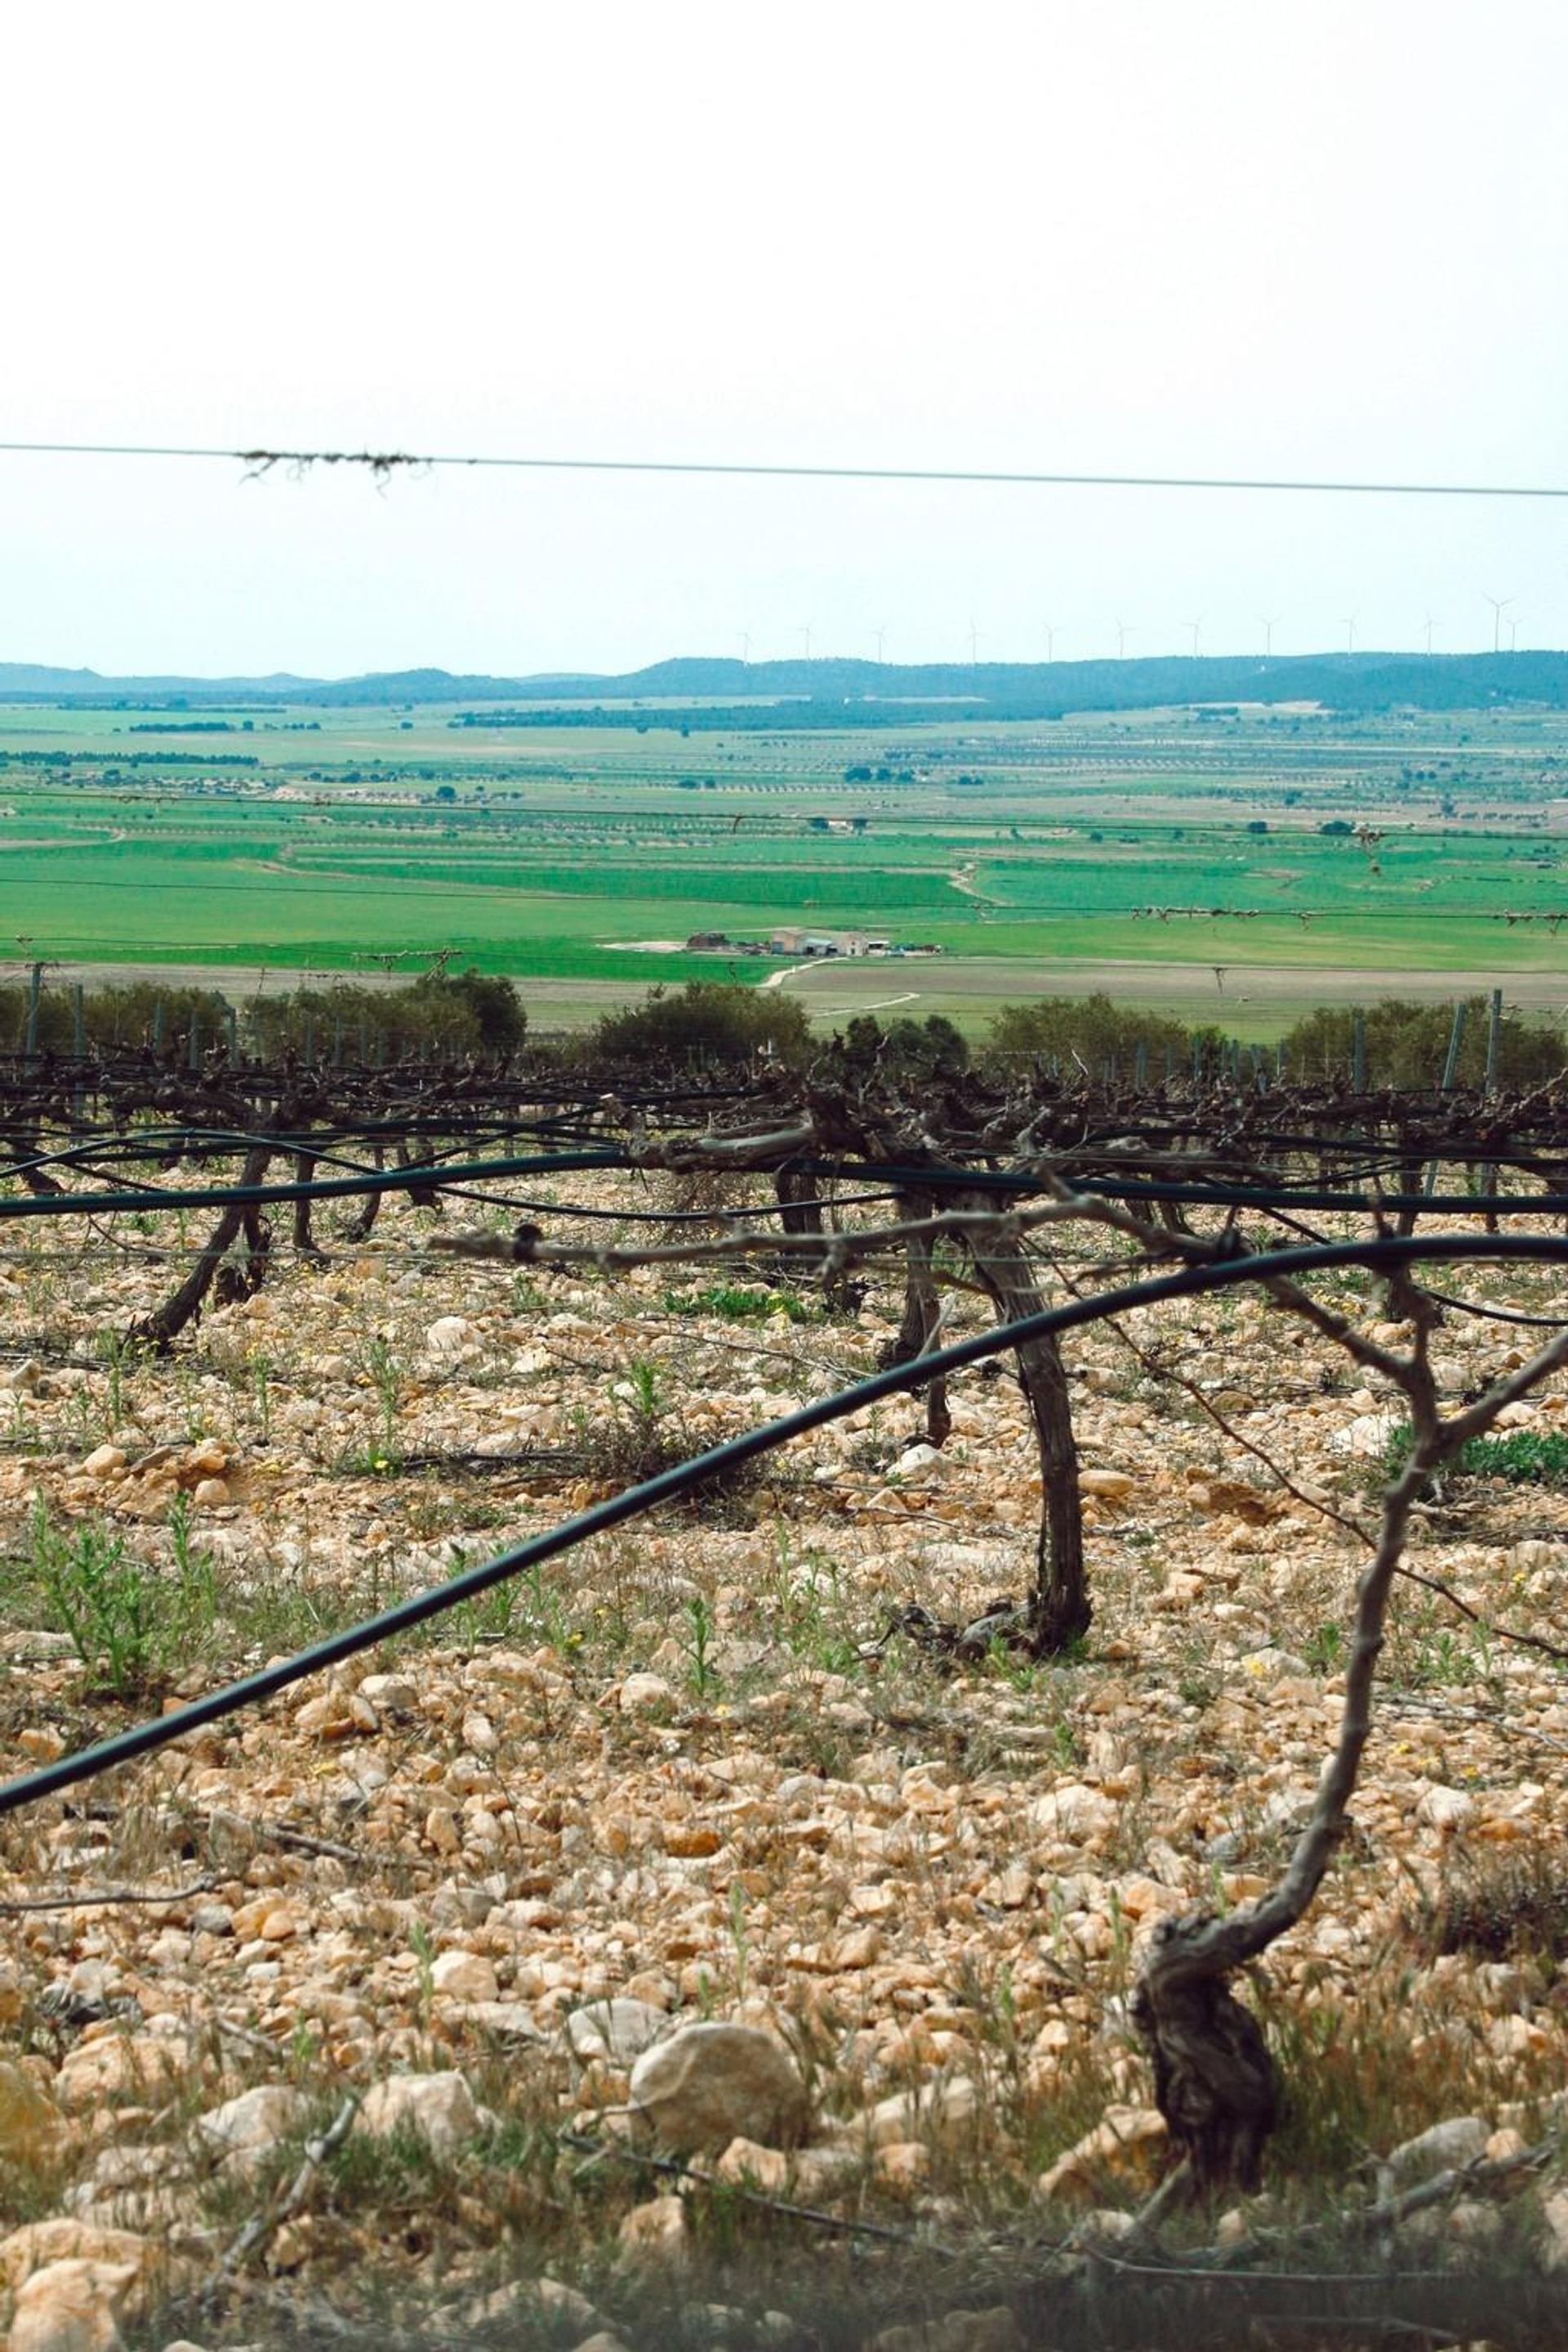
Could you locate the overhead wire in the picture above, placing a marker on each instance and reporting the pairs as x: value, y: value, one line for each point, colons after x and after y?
x: 382, y: 464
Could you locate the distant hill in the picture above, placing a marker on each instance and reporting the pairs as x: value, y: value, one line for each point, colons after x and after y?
x: 818, y: 692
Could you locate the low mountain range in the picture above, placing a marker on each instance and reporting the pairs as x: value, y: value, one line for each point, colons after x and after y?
x: 1350, y: 682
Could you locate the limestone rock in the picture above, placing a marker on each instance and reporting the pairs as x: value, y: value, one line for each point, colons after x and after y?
x: 943, y: 2111
x: 1075, y: 1813
x: 644, y: 1694
x: 710, y: 2084
x: 118, y: 2065
x: 29, y: 2123
x: 747, y: 2161
x: 243, y: 2130
x: 1125, y: 2149
x: 74, y: 2306
x: 1446, y: 1810
x: 439, y: 2107
x: 463, y: 1976
x: 62, y: 2239
x: 1458, y: 2140
x: 653, y: 2236
x: 620, y: 2029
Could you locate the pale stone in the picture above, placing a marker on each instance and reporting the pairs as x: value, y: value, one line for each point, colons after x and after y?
x: 29, y: 2123
x: 74, y: 2306
x: 464, y: 1975
x: 117, y: 2065
x: 1461, y: 2140
x: 1126, y: 2148
x: 62, y: 2239
x: 621, y: 2028
x: 941, y: 2112
x: 245, y: 2129
x: 710, y: 2084
x: 1446, y: 1810
x: 653, y: 2236
x: 103, y: 1462
x: 642, y: 1694
x: 749, y: 2160
x: 922, y: 1462
x: 1074, y: 1813
x: 210, y: 1493
x: 902, y: 2165
x: 1109, y: 1486
x: 439, y: 2107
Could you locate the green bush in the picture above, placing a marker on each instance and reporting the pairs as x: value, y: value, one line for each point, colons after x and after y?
x: 906, y: 1052
x: 1407, y: 1045
x: 706, y: 1025
x: 1525, y: 1457
x: 440, y: 1013
x: 1095, y: 1030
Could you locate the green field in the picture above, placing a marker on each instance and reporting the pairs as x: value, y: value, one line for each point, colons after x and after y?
x: 1135, y: 847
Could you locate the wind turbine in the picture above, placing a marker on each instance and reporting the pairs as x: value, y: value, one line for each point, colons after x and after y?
x: 1348, y: 626
x: 1269, y: 627
x: 1428, y: 633
x: 973, y: 644
x: 1051, y: 628
x: 1497, y: 604
x: 745, y: 646
x: 1122, y: 634
x: 881, y: 633
x: 1197, y: 629
x: 805, y: 635
x: 1513, y: 634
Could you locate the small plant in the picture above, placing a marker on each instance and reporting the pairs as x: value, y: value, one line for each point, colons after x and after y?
x: 119, y: 1355
x: 1525, y: 1457
x: 385, y: 1371
x: 699, y: 1639
x: 643, y: 1435
x: 1324, y: 1647
x: 738, y: 1303
x: 124, y: 1622
x: 1508, y: 1903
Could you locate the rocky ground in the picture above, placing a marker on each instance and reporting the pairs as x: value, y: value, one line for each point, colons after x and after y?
x: 517, y: 1983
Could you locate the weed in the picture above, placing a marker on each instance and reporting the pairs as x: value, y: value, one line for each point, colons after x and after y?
x: 1510, y: 1901
x: 124, y: 1622
x: 1324, y: 1647
x: 702, y: 1676
x: 385, y: 1371
x: 1525, y: 1457
x: 643, y: 1434
x: 738, y: 1303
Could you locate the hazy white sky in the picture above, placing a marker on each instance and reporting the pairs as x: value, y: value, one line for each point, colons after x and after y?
x: 1306, y: 237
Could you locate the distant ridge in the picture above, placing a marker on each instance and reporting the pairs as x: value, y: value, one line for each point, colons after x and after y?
x: 1361, y: 681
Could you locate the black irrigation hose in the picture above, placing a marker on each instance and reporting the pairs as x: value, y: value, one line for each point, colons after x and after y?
x: 431, y: 1176
x: 331, y: 1188
x: 143, y: 1739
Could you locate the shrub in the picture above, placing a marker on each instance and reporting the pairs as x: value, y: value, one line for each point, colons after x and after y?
x: 709, y: 1023
x: 1056, y: 1028
x: 1510, y: 1901
x: 1407, y: 1045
